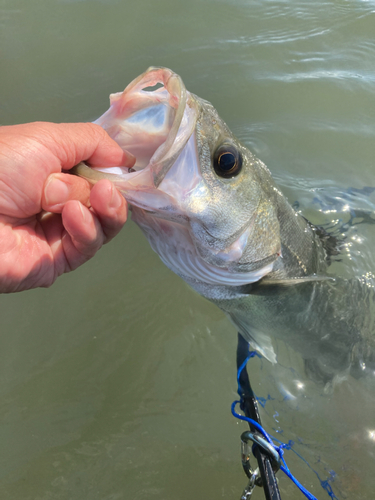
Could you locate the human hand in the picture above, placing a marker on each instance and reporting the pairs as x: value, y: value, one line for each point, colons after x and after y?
x: 50, y: 222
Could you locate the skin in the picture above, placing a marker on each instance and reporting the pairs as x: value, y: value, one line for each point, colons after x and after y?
x: 50, y: 221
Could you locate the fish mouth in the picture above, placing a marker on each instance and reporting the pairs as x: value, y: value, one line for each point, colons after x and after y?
x: 153, y: 119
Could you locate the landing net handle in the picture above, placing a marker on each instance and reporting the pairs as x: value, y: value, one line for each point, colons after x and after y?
x: 249, y: 406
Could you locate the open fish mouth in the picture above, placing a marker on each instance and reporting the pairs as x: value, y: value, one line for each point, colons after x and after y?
x: 153, y: 119
x: 189, y: 213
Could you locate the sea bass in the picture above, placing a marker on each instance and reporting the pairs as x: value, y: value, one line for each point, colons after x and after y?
x: 213, y: 213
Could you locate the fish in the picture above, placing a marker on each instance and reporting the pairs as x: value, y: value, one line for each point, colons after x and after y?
x: 213, y: 213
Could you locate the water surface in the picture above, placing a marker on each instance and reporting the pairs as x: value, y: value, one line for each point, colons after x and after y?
x: 116, y: 383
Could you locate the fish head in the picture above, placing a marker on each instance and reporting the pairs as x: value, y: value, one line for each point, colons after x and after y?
x: 203, y: 200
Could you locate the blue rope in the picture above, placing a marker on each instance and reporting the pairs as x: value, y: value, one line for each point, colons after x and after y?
x: 271, y: 439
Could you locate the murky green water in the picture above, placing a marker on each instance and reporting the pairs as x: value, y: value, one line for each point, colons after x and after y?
x: 116, y: 383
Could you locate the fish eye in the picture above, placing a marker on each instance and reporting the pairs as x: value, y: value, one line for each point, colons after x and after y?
x: 227, y: 161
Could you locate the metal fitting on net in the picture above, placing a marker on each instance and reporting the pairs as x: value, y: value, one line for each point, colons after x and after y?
x: 266, y: 447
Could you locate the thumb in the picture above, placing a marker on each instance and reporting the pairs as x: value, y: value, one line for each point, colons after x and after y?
x: 72, y: 143
x: 60, y: 188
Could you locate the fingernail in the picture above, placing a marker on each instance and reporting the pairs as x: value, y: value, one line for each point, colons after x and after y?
x: 116, y: 198
x: 128, y: 160
x: 82, y: 212
x: 56, y: 191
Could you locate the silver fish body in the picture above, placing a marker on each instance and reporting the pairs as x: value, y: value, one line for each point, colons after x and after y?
x: 213, y: 213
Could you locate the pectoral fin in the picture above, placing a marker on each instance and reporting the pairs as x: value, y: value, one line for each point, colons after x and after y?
x: 294, y: 281
x: 258, y: 340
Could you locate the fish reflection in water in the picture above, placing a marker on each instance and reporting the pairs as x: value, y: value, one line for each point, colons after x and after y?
x: 215, y: 216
